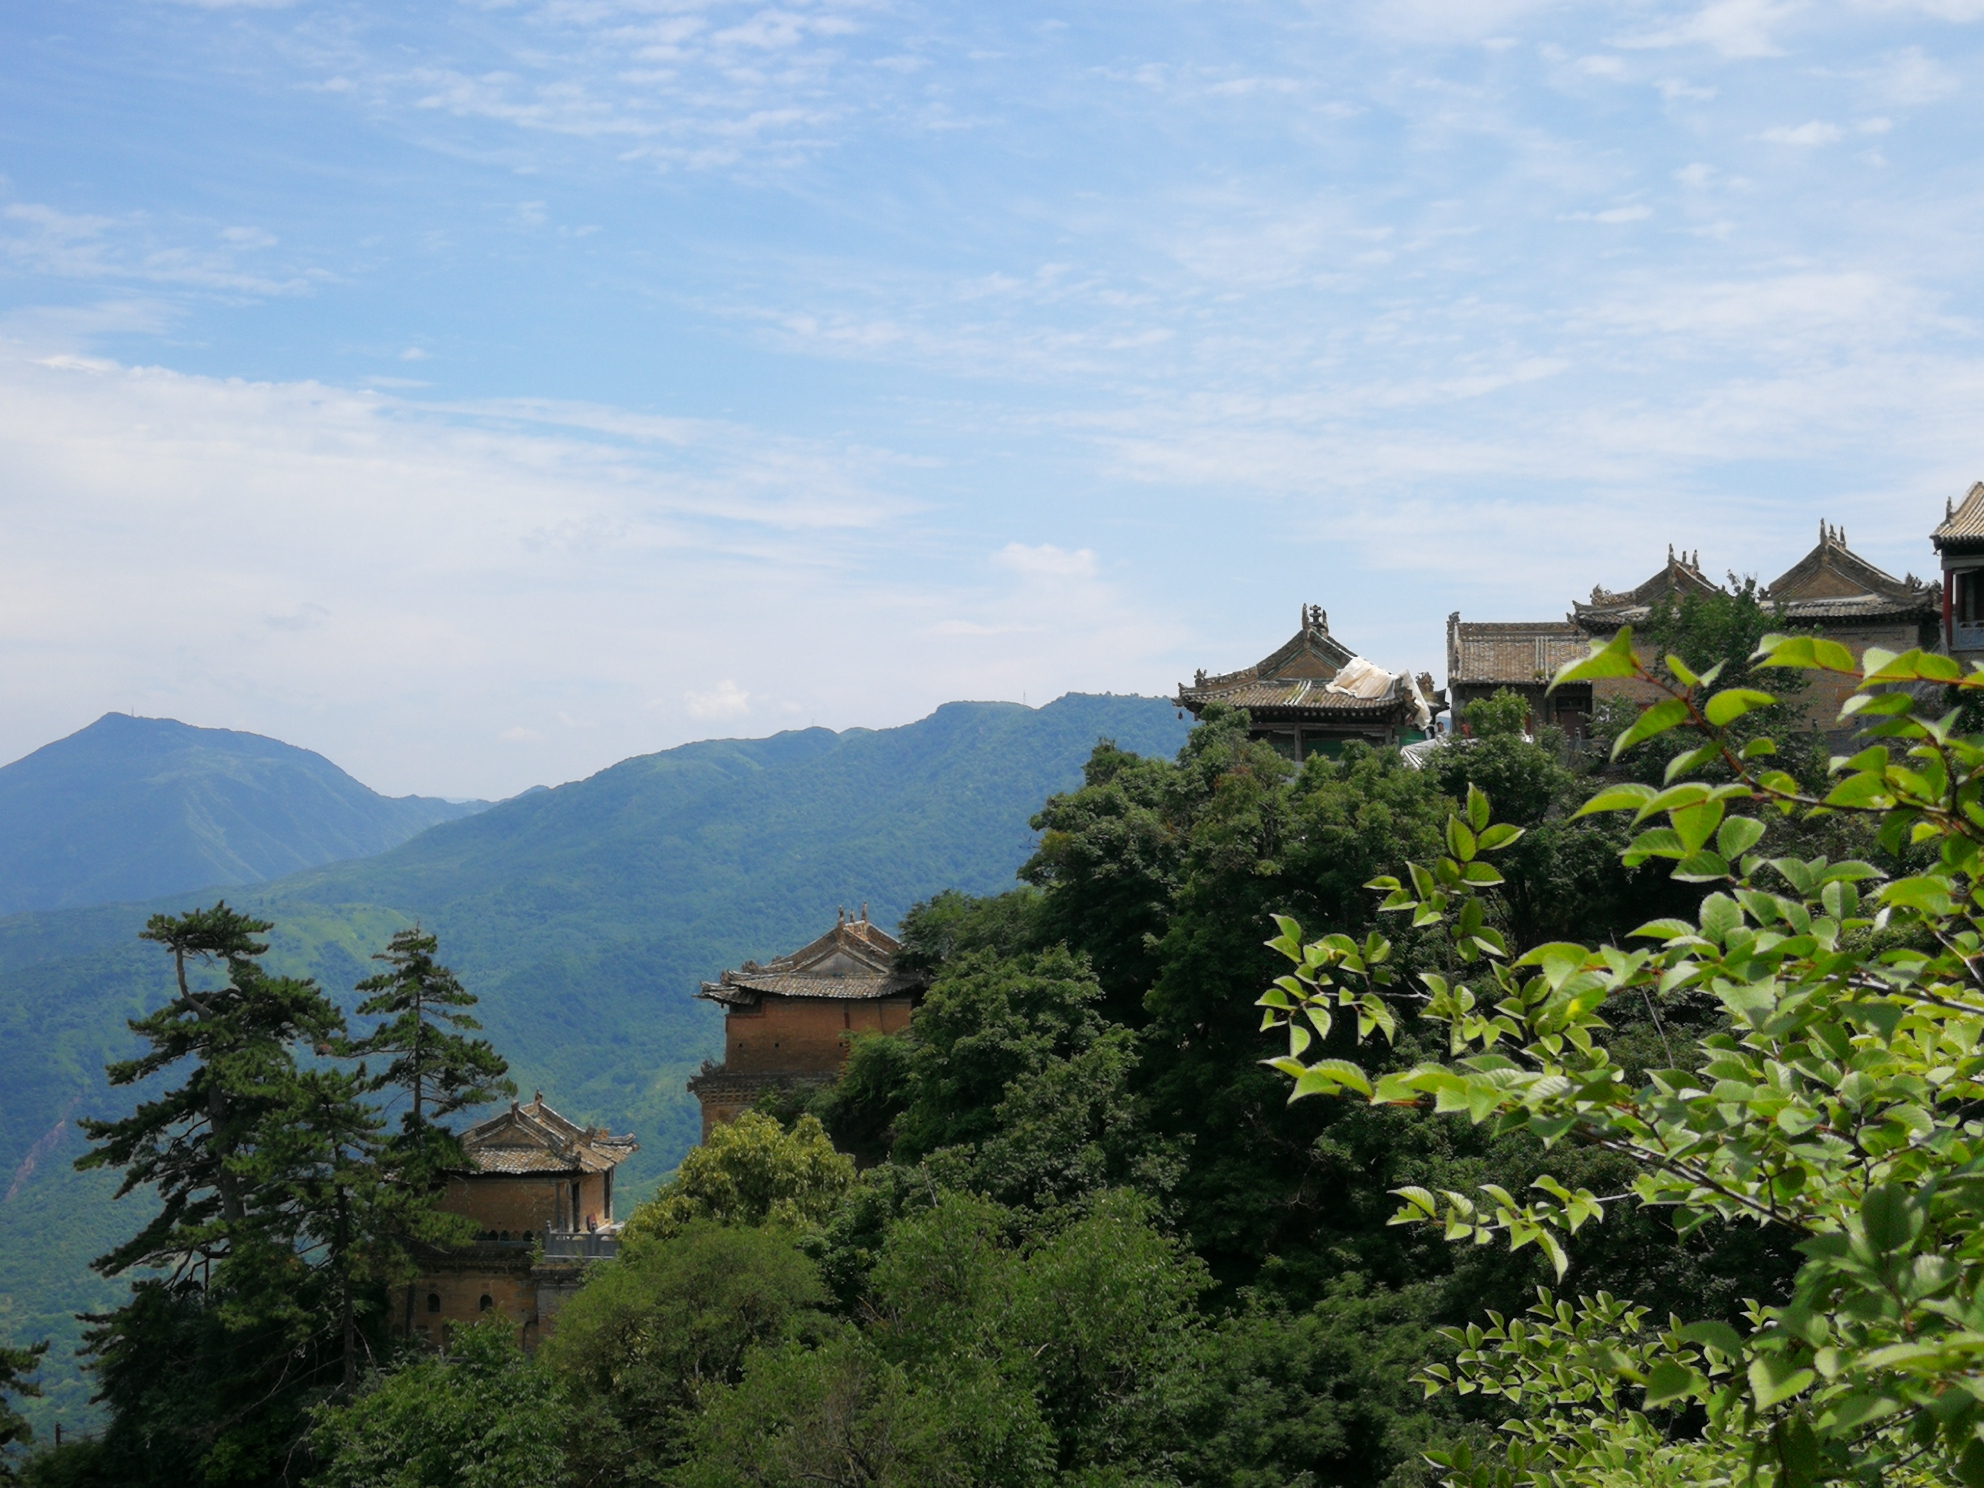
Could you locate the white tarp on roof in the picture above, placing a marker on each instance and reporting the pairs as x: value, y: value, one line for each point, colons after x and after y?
x: 1367, y: 681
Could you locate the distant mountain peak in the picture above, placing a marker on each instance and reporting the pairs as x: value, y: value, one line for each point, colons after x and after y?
x: 131, y: 807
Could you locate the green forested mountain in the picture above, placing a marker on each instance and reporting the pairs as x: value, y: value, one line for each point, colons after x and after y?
x: 131, y: 808
x: 583, y: 916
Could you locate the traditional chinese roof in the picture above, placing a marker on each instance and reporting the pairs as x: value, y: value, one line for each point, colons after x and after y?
x: 853, y: 961
x: 1313, y: 678
x: 1834, y: 583
x: 1513, y: 653
x: 1607, y: 609
x: 533, y: 1138
x: 1962, y: 530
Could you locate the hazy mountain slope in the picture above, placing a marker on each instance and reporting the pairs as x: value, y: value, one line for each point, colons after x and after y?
x: 131, y: 808
x: 585, y: 917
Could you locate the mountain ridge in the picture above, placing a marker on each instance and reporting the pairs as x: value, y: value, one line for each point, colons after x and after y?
x: 584, y: 916
x: 131, y: 808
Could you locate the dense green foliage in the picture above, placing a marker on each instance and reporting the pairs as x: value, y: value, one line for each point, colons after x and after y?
x: 1836, y: 1101
x: 583, y: 917
x: 284, y: 1211
x: 1094, y: 1241
x: 132, y: 808
x: 17, y: 1367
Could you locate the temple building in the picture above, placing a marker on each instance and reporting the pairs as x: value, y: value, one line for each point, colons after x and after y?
x: 540, y: 1190
x: 1960, y: 544
x: 1483, y: 657
x: 787, y: 1025
x: 1315, y: 694
x: 1831, y: 590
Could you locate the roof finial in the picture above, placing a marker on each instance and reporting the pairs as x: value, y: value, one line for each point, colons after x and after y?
x: 1949, y: 507
x: 538, y: 1099
x: 864, y: 911
x: 843, y: 915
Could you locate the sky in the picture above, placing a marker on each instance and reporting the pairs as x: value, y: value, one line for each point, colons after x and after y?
x: 482, y: 391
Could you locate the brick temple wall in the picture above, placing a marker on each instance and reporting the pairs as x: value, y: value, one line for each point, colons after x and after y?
x: 805, y: 1035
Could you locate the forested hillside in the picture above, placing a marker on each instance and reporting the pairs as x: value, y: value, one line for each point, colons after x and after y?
x: 584, y: 917
x: 1669, y: 1052
x: 131, y: 808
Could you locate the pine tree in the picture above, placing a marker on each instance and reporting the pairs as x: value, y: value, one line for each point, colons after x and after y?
x: 195, y: 1144
x: 15, y: 1367
x: 261, y: 1160
x: 440, y: 1069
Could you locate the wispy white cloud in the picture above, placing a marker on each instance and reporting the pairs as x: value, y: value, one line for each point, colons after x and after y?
x: 1044, y: 560
x: 725, y: 700
x: 42, y: 239
x: 1732, y: 28
x: 1814, y: 132
x: 533, y: 572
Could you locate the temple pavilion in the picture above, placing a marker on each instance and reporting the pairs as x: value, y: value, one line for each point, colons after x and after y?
x: 1314, y: 694
x: 540, y: 1190
x: 787, y: 1025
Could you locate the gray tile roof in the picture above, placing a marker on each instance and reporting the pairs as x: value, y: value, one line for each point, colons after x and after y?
x: 854, y: 961
x: 533, y: 1138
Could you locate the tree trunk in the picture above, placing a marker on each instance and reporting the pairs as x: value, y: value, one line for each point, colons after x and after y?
x: 230, y: 1201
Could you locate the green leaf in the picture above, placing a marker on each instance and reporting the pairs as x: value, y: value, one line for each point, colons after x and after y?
x: 1498, y: 836
x: 1420, y: 1199
x: 1809, y: 652
x: 1460, y: 841
x: 1670, y: 1381
x: 1617, y: 798
x: 1613, y: 659
x: 1774, y: 1379
x: 1683, y: 765
x: 1656, y: 720
x: 1738, y: 835
x: 1911, y: 666
x: 1664, y: 929
x: 1890, y: 1218
x: 1328, y: 1076
x: 1718, y: 1336
x: 1477, y: 807
x: 1866, y: 791
x: 1929, y: 894
x: 1798, y: 1451
x: 1731, y: 704
x: 1696, y: 824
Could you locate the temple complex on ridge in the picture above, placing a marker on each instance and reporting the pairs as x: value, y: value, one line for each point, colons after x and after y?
x: 540, y: 1190
x: 1831, y: 590
x: 788, y: 1024
x: 1315, y: 694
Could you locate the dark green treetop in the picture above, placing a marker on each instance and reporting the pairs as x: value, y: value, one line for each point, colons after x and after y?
x: 191, y: 1144
x: 425, y: 1035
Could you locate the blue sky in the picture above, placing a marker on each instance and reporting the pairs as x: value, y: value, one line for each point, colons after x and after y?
x: 482, y: 392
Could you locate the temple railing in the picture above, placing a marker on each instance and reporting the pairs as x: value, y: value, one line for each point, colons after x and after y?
x: 580, y: 1245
